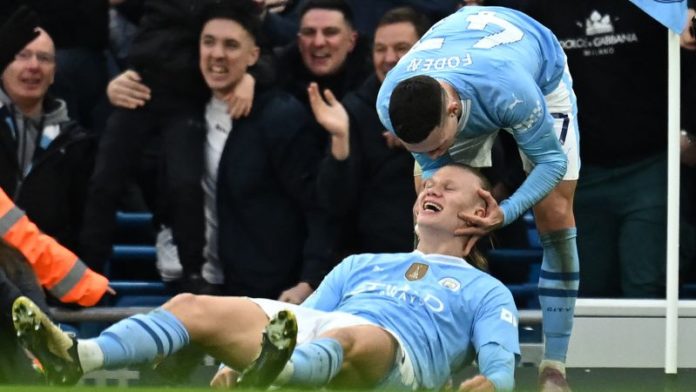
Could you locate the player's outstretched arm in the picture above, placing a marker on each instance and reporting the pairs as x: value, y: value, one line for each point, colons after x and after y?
x: 497, y: 365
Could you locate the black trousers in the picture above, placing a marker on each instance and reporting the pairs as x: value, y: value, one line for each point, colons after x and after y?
x: 181, y: 128
x: 16, y: 279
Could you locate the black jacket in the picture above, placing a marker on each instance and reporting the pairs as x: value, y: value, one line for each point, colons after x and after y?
x: 295, y: 77
x: 165, y: 49
x: 53, y: 193
x: 377, y: 196
x: 272, y: 234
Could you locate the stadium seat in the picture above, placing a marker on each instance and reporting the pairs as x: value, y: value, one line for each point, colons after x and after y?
x: 132, y: 267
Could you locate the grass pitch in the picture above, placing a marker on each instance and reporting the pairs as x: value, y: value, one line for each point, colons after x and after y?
x: 581, y: 380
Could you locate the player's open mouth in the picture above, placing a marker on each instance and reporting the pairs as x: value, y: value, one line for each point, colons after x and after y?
x: 432, y: 206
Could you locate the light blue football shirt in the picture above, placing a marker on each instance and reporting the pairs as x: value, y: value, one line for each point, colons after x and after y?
x: 442, y: 308
x: 502, y: 63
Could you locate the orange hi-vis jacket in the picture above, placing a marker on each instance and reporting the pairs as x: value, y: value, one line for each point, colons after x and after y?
x: 58, y: 269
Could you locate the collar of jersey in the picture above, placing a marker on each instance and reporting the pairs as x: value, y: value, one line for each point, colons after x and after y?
x: 446, y: 259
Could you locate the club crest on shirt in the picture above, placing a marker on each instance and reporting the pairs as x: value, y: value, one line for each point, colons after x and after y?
x: 450, y: 283
x: 416, y: 271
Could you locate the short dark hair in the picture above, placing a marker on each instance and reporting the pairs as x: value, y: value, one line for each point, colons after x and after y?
x: 405, y: 15
x: 415, y: 108
x: 335, y: 5
x: 244, y: 12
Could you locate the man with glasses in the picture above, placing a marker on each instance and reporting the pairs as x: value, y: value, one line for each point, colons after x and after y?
x: 45, y: 158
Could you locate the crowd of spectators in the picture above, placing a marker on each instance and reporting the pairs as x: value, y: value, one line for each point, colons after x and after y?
x: 270, y: 166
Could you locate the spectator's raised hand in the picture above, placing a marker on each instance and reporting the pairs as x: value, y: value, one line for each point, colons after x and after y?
x: 328, y: 111
x: 127, y: 91
x: 241, y: 98
x: 332, y: 116
x: 297, y: 294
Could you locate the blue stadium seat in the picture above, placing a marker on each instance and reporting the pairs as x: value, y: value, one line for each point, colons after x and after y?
x: 140, y: 293
x: 132, y: 267
x: 128, y: 252
x: 133, y: 219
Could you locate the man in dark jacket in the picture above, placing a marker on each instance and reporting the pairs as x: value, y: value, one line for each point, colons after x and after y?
x: 45, y: 158
x: 328, y: 51
x: 381, y: 171
x: 260, y: 173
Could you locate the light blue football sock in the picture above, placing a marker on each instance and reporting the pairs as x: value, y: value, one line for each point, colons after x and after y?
x: 316, y: 363
x: 558, y: 289
x: 142, y: 338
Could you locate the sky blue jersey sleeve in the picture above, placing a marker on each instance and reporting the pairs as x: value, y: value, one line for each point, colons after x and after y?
x: 496, y: 321
x: 328, y: 295
x: 532, y: 126
x: 498, y: 365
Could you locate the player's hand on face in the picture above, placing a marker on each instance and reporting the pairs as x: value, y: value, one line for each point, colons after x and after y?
x: 297, y: 294
x: 225, y: 378
x: 328, y: 111
x: 477, y: 383
x: 240, y: 100
x: 127, y: 91
x: 475, y: 225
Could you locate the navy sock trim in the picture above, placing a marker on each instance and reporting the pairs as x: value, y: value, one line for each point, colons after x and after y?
x: 559, y: 275
x: 110, y: 335
x: 557, y: 293
x: 167, y: 335
x: 158, y: 342
x: 328, y: 355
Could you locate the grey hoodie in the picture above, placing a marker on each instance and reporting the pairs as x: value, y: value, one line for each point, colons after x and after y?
x: 27, y: 129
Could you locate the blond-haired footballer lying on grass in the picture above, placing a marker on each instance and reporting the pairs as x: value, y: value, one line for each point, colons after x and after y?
x: 395, y: 321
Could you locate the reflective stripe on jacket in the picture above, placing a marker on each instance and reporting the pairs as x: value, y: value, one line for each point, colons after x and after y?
x: 58, y: 269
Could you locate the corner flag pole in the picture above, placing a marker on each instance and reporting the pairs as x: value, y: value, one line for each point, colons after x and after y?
x: 673, y: 172
x: 673, y: 15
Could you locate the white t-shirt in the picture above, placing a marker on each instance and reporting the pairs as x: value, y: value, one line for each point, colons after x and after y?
x: 218, y: 126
